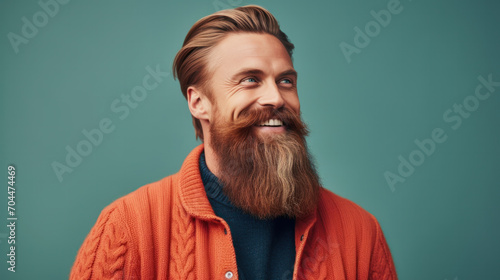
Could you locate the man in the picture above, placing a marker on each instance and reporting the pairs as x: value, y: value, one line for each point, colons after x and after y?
x: 247, y: 203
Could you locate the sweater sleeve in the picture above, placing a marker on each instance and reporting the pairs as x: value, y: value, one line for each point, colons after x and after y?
x: 103, y: 254
x: 381, y: 265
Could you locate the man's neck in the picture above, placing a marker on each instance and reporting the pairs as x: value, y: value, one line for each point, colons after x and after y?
x: 211, y: 159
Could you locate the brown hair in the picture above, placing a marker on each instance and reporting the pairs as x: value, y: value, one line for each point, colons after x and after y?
x: 190, y: 64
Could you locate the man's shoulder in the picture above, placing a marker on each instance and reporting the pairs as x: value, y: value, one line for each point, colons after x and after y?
x: 148, y: 196
x: 338, y: 208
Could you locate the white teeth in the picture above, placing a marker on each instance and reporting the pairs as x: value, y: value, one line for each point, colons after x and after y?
x: 272, y: 122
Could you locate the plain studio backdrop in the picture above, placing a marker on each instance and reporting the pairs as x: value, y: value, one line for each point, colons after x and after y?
x: 401, y: 97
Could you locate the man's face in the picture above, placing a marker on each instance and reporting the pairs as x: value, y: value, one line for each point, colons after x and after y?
x: 252, y: 71
x: 255, y: 128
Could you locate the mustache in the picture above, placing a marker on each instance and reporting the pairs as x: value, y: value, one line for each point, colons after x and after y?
x: 252, y: 117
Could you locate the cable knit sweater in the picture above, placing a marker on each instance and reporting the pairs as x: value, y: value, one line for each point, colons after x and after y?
x: 168, y: 230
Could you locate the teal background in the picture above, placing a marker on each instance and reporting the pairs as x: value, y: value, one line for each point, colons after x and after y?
x: 441, y: 222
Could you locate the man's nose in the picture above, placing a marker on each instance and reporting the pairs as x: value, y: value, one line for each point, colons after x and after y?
x: 271, y: 96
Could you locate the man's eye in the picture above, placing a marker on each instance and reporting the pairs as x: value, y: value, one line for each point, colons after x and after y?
x: 250, y: 80
x: 286, y: 81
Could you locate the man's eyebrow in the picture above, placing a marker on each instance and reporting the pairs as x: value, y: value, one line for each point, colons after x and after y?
x: 290, y: 72
x: 253, y: 71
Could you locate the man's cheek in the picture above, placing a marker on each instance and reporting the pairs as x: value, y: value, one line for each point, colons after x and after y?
x: 294, y: 104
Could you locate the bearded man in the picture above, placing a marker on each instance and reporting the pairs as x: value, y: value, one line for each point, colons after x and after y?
x: 247, y: 203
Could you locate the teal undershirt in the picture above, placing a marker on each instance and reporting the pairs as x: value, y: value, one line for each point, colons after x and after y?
x: 265, y: 249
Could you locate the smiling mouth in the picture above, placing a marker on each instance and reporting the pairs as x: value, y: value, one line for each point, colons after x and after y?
x: 272, y: 123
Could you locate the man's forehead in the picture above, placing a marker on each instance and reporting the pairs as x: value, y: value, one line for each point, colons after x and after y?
x: 249, y: 50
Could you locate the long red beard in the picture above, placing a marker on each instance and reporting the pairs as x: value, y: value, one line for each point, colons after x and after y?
x: 266, y: 176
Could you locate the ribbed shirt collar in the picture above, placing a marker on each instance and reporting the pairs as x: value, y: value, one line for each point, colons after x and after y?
x: 213, y: 186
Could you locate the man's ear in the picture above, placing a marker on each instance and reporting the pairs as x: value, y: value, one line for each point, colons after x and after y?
x: 199, y: 105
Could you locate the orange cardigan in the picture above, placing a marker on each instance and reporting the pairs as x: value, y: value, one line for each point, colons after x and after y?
x: 168, y: 230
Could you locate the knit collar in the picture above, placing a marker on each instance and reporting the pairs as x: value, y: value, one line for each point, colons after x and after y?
x: 213, y: 186
x: 192, y: 192
x: 194, y: 198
